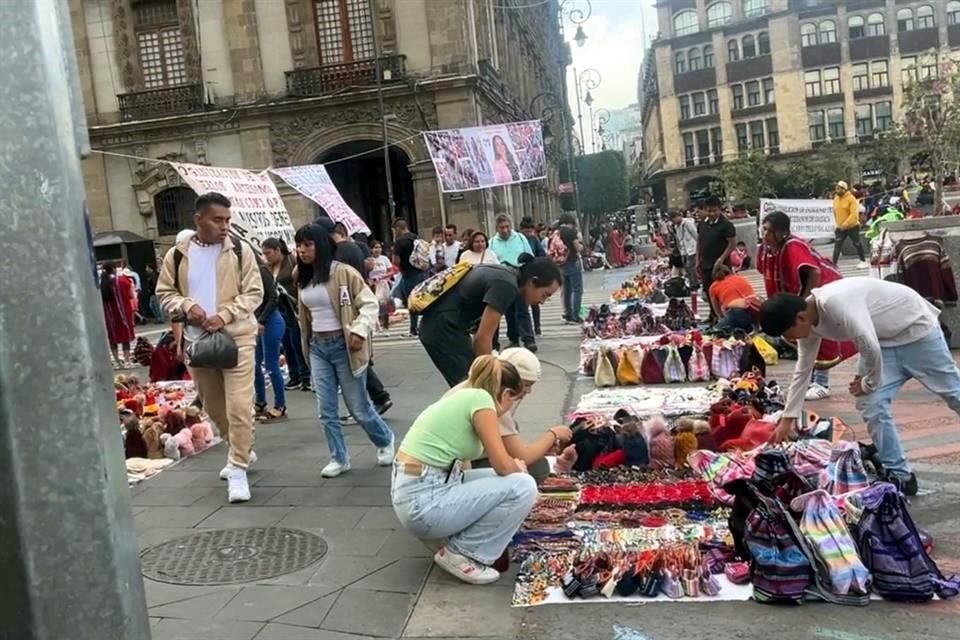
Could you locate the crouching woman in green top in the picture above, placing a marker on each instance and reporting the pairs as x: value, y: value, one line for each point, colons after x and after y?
x: 477, y: 510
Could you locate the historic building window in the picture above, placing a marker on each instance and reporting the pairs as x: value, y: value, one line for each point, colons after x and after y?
x: 680, y: 62
x: 811, y: 83
x: 773, y: 136
x: 704, y: 146
x: 159, y: 43
x: 173, y: 208
x: 344, y: 30
x: 754, y: 8
x: 861, y: 76
x: 905, y: 20
x: 758, y: 135
x: 753, y: 93
x: 879, y: 73
x: 883, y: 115
x: 857, y: 27
x: 835, y: 124
x: 749, y: 46
x: 689, y: 150
x: 876, y: 25
x: 693, y: 59
x: 831, y: 81
x: 684, y: 102
x: 808, y: 34
x: 737, y: 93
x: 864, y: 122
x: 708, y: 56
x: 768, y: 90
x: 713, y: 101
x: 733, y: 51
x: 953, y: 12
x: 718, y: 13
x: 908, y: 69
x: 685, y: 23
x: 698, y: 104
x: 763, y: 43
x: 827, y: 32
x: 817, y: 128
x: 925, y: 17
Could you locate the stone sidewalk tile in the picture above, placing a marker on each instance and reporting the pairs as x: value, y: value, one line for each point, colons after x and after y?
x: 172, y: 629
x: 234, y: 516
x: 374, y: 613
x: 202, y: 607
x: 277, y: 631
x: 260, y: 603
x: 454, y: 609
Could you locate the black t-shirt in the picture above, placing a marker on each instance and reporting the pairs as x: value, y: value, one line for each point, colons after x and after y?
x: 349, y: 253
x: 569, y: 235
x: 712, y: 239
x: 493, y: 285
x: 403, y: 249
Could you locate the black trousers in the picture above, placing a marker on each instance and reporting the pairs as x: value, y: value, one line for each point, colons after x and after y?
x: 378, y: 394
x: 519, y: 327
x: 450, y: 348
x: 840, y: 236
x: 535, y: 310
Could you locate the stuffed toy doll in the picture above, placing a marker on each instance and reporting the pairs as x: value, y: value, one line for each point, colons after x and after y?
x: 170, y: 448
x: 184, y: 440
x: 175, y: 421
x: 151, y: 435
x: 202, y: 435
x: 192, y: 415
x: 134, y: 445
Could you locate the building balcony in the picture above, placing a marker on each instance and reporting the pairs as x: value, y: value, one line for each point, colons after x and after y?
x: 327, y: 78
x: 157, y: 103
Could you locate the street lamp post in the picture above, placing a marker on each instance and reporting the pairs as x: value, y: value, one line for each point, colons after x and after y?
x: 576, y: 12
x: 598, y: 118
x: 550, y: 104
x: 587, y: 81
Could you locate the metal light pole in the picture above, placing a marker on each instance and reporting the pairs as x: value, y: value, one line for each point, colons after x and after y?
x: 69, y: 565
x: 587, y: 81
x: 599, y: 118
x: 577, y: 12
x: 391, y: 203
x: 551, y: 104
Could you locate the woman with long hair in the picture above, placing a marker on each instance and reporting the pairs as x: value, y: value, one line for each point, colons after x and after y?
x: 477, y: 252
x: 116, y: 293
x: 281, y: 264
x: 504, y: 166
x: 478, y: 510
x: 338, y: 314
x: 270, y: 328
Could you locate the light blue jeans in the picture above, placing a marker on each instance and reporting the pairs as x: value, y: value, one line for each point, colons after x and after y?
x: 478, y: 513
x: 330, y: 370
x: 930, y: 362
x: 820, y: 377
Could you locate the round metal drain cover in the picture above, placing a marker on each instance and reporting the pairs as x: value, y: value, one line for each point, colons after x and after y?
x: 230, y: 556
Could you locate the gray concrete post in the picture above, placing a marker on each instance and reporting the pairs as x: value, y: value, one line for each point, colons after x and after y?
x: 68, y: 555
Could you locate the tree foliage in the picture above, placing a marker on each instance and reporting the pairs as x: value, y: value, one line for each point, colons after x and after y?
x: 602, y: 181
x: 754, y: 175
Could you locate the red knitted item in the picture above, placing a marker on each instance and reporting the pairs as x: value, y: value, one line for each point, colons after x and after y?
x: 706, y: 442
x: 719, y: 412
x: 733, y: 425
x: 610, y: 460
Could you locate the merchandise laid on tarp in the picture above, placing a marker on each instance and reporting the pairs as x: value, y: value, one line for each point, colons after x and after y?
x: 160, y: 422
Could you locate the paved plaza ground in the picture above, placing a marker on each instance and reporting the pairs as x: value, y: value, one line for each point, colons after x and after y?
x: 378, y: 581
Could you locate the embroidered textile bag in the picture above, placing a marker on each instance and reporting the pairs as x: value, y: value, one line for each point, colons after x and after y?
x: 605, y: 375
x: 698, y: 370
x: 651, y: 371
x: 436, y: 286
x: 673, y: 370
x: 845, y: 471
x: 891, y: 548
x: 588, y: 359
x: 724, y: 364
x: 626, y: 373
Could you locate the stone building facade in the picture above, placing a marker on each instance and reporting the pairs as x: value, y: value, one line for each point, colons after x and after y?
x: 261, y: 83
x: 784, y: 76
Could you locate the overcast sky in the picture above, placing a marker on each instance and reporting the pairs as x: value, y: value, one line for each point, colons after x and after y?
x: 614, y: 47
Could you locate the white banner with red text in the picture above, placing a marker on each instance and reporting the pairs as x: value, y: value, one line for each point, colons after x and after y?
x: 313, y: 182
x: 809, y: 219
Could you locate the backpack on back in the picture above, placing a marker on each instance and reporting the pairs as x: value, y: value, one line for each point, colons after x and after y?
x: 557, y: 249
x: 436, y: 286
x: 420, y: 256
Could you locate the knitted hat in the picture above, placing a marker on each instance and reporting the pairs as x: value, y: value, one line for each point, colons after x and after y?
x: 655, y: 426
x: 705, y: 441
x: 684, y: 444
x: 661, y: 451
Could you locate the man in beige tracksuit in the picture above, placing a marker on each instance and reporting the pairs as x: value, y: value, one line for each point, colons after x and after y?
x: 215, y: 283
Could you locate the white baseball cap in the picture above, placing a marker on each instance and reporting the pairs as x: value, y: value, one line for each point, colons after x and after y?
x: 525, y: 362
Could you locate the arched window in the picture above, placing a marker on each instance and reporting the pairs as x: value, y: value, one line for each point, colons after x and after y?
x: 694, y: 61
x: 925, y: 17
x: 680, y: 62
x: 685, y: 22
x: 749, y: 47
x: 733, y: 50
x: 708, y: 56
x: 905, y: 20
x: 876, y: 24
x: 754, y: 8
x: 953, y: 12
x: 718, y: 13
x: 827, y: 32
x: 808, y: 34
x: 856, y: 26
x: 173, y: 209
x: 763, y: 43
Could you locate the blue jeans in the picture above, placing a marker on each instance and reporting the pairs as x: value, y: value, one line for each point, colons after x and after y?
x: 268, y: 353
x: 330, y: 370
x: 735, y: 319
x: 404, y: 288
x: 479, y: 512
x: 572, y: 289
x: 820, y: 377
x: 929, y: 361
x: 296, y: 363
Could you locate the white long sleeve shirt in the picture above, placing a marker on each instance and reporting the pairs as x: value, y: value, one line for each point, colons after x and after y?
x: 872, y: 314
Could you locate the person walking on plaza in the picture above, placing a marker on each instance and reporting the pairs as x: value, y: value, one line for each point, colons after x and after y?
x: 566, y: 249
x: 846, y: 215
x: 270, y: 327
x: 451, y: 246
x: 683, y: 247
x: 477, y: 252
x: 281, y: 264
x: 508, y: 245
x: 338, y: 313
x: 216, y: 284
x: 463, y: 323
x: 899, y: 338
x: 477, y: 510
x: 716, y: 238
x: 404, y: 246
x: 116, y: 293
x: 529, y: 231
x: 790, y: 265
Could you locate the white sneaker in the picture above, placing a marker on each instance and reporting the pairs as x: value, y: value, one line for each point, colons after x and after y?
x: 334, y: 469
x: 863, y: 265
x: 817, y: 392
x: 237, y: 488
x: 226, y: 470
x: 464, y: 568
x: 385, y: 454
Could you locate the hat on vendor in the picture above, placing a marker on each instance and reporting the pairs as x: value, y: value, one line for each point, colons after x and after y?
x: 524, y: 362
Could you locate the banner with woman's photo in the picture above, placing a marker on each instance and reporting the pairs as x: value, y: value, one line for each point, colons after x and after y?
x: 492, y: 156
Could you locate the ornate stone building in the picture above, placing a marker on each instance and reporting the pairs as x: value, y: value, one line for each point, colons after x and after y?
x: 260, y: 83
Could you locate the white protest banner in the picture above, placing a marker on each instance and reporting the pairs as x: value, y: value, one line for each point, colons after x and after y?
x: 479, y: 157
x: 809, y: 219
x: 313, y: 181
x: 257, y: 210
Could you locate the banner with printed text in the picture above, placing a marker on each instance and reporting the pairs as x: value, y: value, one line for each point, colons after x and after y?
x: 313, y: 181
x: 491, y: 156
x: 256, y: 208
x: 809, y: 219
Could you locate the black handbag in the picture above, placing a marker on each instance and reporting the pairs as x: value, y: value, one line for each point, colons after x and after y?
x: 213, y: 351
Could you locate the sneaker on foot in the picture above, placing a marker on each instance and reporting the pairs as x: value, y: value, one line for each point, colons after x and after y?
x: 237, y: 488
x: 817, y: 392
x: 384, y: 406
x: 385, y: 454
x: 292, y: 384
x: 907, y: 485
x: 531, y: 347
x: 225, y: 472
x: 334, y: 469
x: 863, y: 264
x: 305, y: 385
x: 464, y: 568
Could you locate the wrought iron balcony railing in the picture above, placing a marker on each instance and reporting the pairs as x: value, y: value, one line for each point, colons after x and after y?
x: 168, y: 101
x: 332, y: 77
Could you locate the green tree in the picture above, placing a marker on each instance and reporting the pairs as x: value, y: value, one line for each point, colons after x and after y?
x: 602, y: 181
x: 748, y: 178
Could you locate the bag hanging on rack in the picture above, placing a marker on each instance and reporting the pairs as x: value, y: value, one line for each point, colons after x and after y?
x: 605, y: 375
x: 626, y: 373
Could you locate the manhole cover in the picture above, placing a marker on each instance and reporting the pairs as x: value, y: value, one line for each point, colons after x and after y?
x: 230, y: 556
